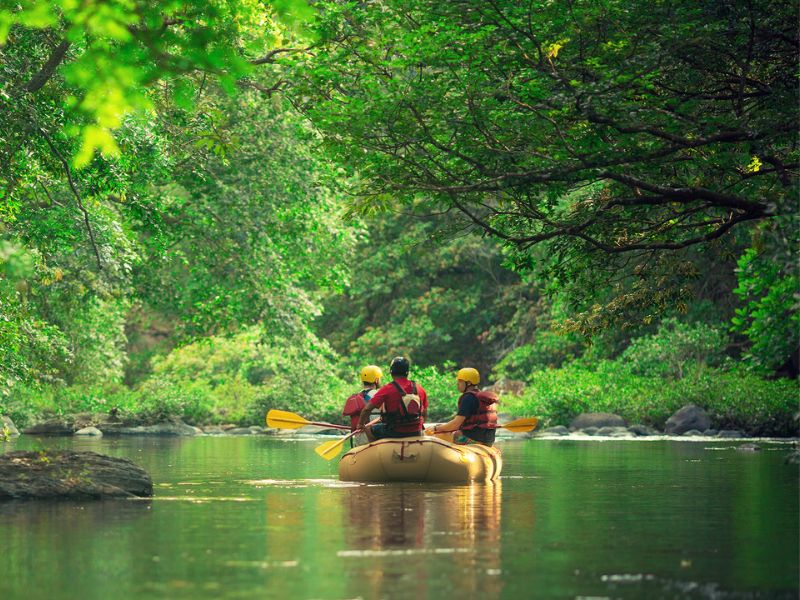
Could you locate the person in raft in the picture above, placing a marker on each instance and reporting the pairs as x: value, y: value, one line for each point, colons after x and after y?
x: 403, y: 405
x: 476, y: 419
x: 370, y: 381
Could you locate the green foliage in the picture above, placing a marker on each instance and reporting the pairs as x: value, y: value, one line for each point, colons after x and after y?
x: 769, y: 287
x: 734, y: 400
x: 549, y: 349
x: 611, y: 133
x: 675, y: 348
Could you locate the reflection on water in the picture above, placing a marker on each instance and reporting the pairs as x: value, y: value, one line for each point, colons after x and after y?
x: 259, y: 517
x: 398, y: 528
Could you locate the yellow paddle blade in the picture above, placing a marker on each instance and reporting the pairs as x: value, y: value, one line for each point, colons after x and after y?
x: 330, y: 450
x: 281, y: 419
x: 521, y: 425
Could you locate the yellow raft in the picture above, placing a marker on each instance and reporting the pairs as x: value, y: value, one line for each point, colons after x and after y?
x: 424, y: 459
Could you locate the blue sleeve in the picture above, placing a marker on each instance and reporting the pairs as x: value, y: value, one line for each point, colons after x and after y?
x: 469, y: 406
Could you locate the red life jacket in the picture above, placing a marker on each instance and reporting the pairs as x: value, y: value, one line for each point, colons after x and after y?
x: 353, y: 407
x: 407, y: 416
x: 487, y: 411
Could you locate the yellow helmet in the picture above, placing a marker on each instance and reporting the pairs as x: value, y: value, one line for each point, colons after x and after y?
x: 469, y: 374
x: 371, y: 374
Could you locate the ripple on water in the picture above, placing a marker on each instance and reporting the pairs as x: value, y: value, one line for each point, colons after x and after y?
x: 302, y: 483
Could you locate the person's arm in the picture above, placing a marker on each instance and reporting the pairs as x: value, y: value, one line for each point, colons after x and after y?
x: 365, y: 415
x: 452, y: 425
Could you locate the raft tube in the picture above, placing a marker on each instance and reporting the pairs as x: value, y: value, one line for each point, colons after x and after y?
x: 422, y: 459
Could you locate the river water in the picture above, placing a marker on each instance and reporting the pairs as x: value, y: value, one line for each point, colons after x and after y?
x: 262, y: 517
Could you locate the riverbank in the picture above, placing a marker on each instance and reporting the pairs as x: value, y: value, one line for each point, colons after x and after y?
x: 734, y: 401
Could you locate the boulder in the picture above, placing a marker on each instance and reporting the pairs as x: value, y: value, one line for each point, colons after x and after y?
x: 70, y: 474
x: 710, y: 432
x: 213, y: 430
x: 557, y: 430
x: 692, y: 433
x: 599, y: 419
x: 89, y: 431
x: 642, y: 430
x: 506, y: 386
x: 686, y: 418
x: 240, y: 431
x: 589, y: 430
x: 7, y: 426
x: 60, y: 426
x: 174, y: 427
x: 730, y: 433
x: 614, y: 432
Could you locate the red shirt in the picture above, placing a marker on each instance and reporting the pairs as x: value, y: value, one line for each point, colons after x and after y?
x: 389, y: 396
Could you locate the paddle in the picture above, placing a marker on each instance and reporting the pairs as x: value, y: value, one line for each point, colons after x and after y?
x: 517, y: 426
x: 330, y: 450
x: 521, y: 425
x: 281, y: 419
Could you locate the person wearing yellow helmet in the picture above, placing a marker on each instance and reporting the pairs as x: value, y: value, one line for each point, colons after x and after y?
x: 370, y: 382
x: 476, y: 419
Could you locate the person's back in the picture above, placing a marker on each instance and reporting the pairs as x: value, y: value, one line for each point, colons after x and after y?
x: 403, y: 404
x: 355, y: 404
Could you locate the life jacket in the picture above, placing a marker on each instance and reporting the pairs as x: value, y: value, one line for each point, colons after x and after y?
x: 410, y: 412
x: 353, y: 407
x: 487, y: 411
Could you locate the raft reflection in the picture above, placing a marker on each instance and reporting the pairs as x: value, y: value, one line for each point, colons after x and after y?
x: 424, y: 539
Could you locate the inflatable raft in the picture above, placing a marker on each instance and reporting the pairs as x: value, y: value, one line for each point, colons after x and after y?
x: 424, y: 459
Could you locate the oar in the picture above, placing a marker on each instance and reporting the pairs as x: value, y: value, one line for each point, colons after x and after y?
x: 281, y: 419
x: 521, y: 425
x: 517, y: 426
x: 330, y: 450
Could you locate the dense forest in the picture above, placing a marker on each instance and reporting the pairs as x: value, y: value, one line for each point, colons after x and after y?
x: 210, y: 208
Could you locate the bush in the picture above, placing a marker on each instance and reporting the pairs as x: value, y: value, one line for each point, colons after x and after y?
x: 675, y: 348
x: 734, y: 400
x: 548, y: 350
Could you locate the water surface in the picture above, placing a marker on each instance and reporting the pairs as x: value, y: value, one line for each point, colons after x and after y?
x: 246, y: 517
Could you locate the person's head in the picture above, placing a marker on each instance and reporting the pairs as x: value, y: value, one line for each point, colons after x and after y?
x: 467, y: 378
x: 399, y: 367
x: 371, y: 375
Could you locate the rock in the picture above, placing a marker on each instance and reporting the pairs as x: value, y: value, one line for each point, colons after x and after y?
x: 589, y: 430
x: 89, y: 431
x: 7, y: 425
x: 240, y: 431
x: 61, y: 426
x: 692, y: 433
x: 599, y: 419
x: 175, y: 427
x: 749, y: 448
x: 730, y: 433
x: 642, y: 430
x: 70, y: 474
x: 614, y: 432
x: 557, y: 430
x: 227, y: 426
x: 506, y: 386
x: 213, y: 430
x: 710, y: 432
x: 686, y: 418
x: 793, y: 458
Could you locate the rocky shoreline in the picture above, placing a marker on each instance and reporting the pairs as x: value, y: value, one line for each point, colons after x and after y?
x: 689, y: 422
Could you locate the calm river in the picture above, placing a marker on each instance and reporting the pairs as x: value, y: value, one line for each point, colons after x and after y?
x: 260, y: 517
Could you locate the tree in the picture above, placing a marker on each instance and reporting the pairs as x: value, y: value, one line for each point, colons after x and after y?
x: 617, y: 134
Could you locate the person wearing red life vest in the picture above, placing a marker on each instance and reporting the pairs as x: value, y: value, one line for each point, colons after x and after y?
x: 403, y: 404
x: 371, y: 381
x: 476, y: 419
